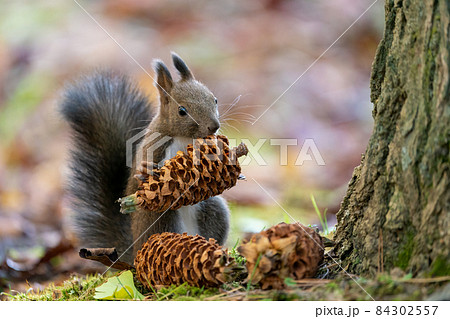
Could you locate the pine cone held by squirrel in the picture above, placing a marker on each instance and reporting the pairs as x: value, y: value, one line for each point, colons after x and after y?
x: 208, y: 168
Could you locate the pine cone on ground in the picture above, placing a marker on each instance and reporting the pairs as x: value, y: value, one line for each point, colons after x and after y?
x: 170, y: 258
x: 204, y: 171
x: 282, y: 251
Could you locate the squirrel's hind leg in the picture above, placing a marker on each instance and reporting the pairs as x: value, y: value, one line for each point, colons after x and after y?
x: 214, y: 219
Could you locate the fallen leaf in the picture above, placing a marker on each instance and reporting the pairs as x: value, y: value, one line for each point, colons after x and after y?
x: 119, y: 287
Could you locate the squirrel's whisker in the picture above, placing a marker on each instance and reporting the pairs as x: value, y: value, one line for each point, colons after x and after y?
x: 237, y: 112
x: 235, y: 101
x: 241, y: 113
x: 232, y: 126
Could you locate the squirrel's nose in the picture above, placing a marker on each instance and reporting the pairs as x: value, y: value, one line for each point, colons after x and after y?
x: 213, y: 127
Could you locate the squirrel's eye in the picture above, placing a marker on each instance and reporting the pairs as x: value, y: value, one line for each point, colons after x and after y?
x: 182, y: 110
x: 215, y: 100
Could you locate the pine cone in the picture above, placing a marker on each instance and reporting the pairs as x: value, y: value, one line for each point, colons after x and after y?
x: 188, y: 178
x: 284, y: 250
x: 170, y: 258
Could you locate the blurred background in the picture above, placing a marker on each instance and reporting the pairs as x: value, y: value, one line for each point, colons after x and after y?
x: 247, y: 52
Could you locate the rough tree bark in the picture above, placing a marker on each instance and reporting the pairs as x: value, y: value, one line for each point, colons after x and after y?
x: 396, y: 211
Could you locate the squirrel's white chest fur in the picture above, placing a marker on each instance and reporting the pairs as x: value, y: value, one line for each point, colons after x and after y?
x: 188, y: 213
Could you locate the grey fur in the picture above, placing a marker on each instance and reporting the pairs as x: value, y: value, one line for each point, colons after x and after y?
x: 104, y: 111
x: 164, y: 80
x: 214, y: 219
x: 182, y: 68
x: 199, y: 101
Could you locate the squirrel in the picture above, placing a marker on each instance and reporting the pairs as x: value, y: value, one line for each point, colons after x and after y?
x: 104, y: 111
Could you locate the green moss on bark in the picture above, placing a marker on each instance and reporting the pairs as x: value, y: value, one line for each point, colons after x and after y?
x: 440, y: 267
x: 405, y: 253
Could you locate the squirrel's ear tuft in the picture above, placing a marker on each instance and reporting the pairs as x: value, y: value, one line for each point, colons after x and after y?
x: 182, y: 68
x: 164, y: 81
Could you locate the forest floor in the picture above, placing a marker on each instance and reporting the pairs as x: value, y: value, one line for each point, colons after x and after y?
x: 60, y: 274
x: 331, y: 283
x: 343, y: 287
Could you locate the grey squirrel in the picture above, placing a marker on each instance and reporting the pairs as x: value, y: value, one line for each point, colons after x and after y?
x: 105, y: 110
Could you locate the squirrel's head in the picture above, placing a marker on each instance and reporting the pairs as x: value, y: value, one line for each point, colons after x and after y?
x: 188, y: 108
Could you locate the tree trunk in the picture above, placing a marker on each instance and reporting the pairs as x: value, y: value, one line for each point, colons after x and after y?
x: 396, y: 211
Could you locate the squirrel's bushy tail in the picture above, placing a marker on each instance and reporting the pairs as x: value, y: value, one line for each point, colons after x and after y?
x: 104, y: 110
